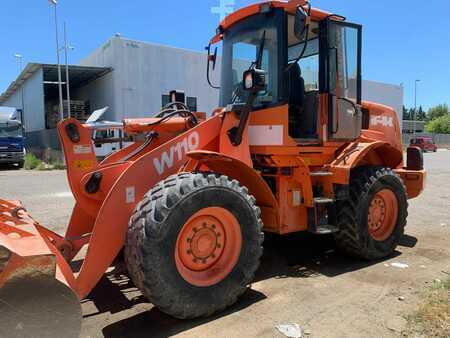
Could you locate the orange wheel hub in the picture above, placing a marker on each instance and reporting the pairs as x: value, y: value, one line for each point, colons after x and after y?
x: 383, y: 213
x: 208, y: 246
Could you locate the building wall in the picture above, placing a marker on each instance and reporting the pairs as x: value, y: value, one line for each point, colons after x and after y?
x: 143, y: 72
x: 33, y: 94
x: 384, y: 93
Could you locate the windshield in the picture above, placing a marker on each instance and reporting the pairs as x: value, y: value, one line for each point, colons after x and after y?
x: 240, y: 49
x: 10, y: 131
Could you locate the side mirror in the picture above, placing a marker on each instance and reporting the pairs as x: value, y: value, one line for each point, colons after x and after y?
x: 254, y: 80
x: 301, y: 23
x: 211, y: 58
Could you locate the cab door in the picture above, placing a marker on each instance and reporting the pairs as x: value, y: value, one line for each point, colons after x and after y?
x: 343, y: 68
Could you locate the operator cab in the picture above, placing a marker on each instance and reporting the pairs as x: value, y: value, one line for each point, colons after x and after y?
x: 317, y: 74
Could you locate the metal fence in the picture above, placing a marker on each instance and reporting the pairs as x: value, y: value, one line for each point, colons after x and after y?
x: 442, y: 140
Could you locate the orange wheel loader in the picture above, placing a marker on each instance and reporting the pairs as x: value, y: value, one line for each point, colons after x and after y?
x: 291, y: 148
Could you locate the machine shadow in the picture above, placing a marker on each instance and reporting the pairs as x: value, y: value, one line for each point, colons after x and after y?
x: 154, y: 323
x: 295, y: 256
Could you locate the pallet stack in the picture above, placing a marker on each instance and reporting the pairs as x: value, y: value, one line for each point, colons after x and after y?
x: 78, y: 110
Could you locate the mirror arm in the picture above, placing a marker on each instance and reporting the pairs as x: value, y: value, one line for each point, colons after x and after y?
x: 355, y: 106
x: 208, y: 78
x: 235, y: 133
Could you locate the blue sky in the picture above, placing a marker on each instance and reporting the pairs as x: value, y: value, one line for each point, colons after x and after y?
x: 404, y: 40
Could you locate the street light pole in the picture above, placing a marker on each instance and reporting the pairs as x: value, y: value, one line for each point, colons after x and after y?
x: 61, y: 109
x: 415, y: 106
x: 19, y: 57
x: 66, y: 51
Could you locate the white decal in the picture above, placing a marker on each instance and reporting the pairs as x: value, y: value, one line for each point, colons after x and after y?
x: 130, y: 193
x: 179, y: 150
x: 296, y: 198
x: 82, y: 149
x: 385, y: 121
x: 265, y: 135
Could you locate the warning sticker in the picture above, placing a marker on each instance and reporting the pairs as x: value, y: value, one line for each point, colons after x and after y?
x: 82, y: 149
x: 84, y: 165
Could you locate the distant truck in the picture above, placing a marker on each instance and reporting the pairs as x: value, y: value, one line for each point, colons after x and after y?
x: 12, y: 148
x: 107, y: 136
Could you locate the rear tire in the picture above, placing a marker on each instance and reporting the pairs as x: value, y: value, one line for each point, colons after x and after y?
x: 373, y: 236
x: 163, y: 235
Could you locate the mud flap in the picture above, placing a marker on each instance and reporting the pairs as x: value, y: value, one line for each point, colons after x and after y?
x: 39, y: 307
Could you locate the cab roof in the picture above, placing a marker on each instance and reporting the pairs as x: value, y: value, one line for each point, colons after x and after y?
x: 243, y: 13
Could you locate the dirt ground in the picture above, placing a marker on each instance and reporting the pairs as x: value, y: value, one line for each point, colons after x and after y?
x: 302, y: 279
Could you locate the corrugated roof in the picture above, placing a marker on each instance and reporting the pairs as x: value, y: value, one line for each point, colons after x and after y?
x: 78, y: 75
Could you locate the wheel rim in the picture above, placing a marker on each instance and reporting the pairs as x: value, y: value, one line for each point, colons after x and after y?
x: 208, y: 246
x: 383, y: 212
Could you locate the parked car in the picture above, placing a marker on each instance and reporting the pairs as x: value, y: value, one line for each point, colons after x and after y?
x: 425, y: 143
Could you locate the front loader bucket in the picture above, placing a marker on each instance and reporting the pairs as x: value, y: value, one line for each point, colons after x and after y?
x: 35, y: 299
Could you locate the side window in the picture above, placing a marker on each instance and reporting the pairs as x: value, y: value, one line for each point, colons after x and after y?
x: 343, y: 42
x: 344, y: 80
x: 309, y: 63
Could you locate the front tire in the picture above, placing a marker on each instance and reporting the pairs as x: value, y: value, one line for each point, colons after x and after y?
x: 373, y: 218
x: 194, y: 244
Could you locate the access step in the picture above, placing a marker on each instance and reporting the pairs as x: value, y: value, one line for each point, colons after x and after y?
x: 323, y: 200
x: 325, y: 230
x: 320, y: 173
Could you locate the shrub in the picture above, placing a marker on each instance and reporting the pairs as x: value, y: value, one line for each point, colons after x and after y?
x: 31, y: 161
x: 440, y: 125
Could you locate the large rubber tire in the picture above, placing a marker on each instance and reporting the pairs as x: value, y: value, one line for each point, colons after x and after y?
x: 152, y: 240
x: 354, y: 237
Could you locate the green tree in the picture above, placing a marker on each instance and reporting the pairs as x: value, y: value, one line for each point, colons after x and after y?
x: 440, y: 125
x: 421, y: 115
x: 438, y: 111
x: 406, y: 114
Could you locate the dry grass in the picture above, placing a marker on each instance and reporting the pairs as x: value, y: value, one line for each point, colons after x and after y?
x: 432, y: 319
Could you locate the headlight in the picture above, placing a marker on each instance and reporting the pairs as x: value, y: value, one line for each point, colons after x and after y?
x: 5, y: 254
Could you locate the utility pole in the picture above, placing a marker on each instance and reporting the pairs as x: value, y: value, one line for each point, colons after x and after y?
x: 415, y: 107
x: 66, y: 52
x: 61, y: 108
x: 19, y: 57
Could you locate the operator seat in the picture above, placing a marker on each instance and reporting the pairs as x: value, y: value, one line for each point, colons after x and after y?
x: 296, y: 99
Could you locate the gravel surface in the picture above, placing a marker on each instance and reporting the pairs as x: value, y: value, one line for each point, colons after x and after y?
x: 302, y: 280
